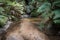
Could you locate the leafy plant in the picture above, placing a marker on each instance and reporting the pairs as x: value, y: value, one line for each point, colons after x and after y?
x: 1, y: 10
x: 3, y: 20
x: 57, y: 16
x: 43, y: 9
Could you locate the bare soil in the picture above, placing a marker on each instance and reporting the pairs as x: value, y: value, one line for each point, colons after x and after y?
x: 34, y: 21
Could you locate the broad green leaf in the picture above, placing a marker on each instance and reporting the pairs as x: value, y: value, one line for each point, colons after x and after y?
x: 43, y: 8
x: 57, y: 14
x: 57, y: 21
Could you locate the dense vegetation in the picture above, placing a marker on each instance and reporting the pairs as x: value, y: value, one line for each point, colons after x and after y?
x: 47, y: 10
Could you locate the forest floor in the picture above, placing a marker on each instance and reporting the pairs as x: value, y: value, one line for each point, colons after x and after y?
x: 54, y: 37
x: 36, y: 21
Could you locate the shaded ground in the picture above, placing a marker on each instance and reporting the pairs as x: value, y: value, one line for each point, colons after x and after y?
x: 54, y: 37
x: 36, y: 21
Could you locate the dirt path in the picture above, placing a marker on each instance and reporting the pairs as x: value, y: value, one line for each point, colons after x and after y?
x: 26, y: 29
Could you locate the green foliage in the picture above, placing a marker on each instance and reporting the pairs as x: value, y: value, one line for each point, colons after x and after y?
x: 2, y: 0
x: 3, y: 20
x: 57, y: 21
x: 57, y: 16
x: 1, y: 10
x: 57, y: 3
x: 5, y: 10
x: 34, y: 13
x: 49, y: 16
x: 44, y: 8
x: 19, y: 7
